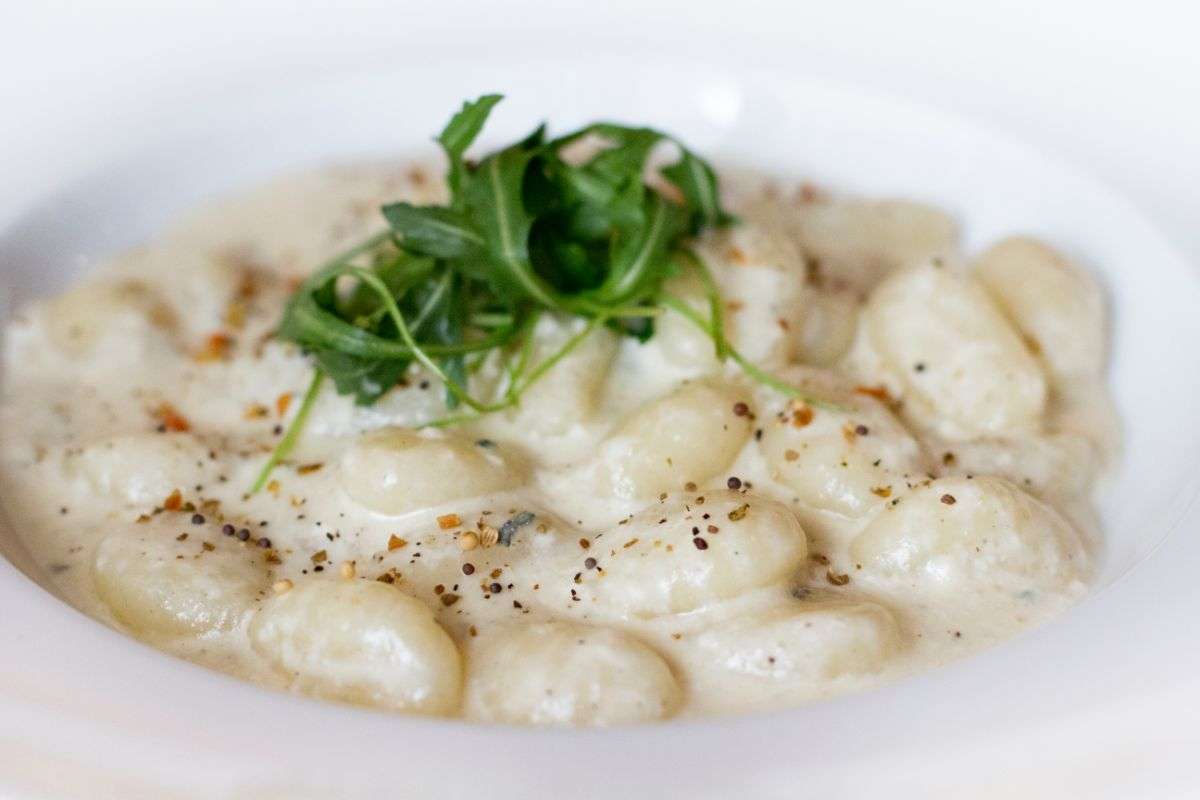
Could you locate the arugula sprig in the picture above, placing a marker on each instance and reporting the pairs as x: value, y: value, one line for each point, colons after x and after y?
x: 527, y: 231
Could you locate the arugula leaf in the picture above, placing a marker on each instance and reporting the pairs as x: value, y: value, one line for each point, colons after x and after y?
x: 525, y: 233
x: 458, y: 135
x: 433, y: 231
x: 696, y: 179
x: 366, y: 379
x: 495, y: 200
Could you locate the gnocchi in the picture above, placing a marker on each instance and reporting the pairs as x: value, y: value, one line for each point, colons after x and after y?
x: 395, y: 471
x: 861, y: 242
x: 686, y: 437
x: 794, y: 651
x: 964, y: 537
x: 957, y: 358
x: 1053, y: 303
x: 361, y: 642
x: 848, y: 460
x: 158, y: 584
x: 688, y: 551
x: 560, y: 673
x: 138, y: 468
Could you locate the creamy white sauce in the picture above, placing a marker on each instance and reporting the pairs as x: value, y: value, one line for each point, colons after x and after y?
x: 863, y: 544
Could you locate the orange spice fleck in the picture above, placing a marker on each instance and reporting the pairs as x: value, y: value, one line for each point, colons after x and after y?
x: 801, y: 414
x: 305, y: 469
x: 448, y: 521
x: 256, y: 411
x: 174, y: 501
x: 878, y: 392
x: 282, y: 403
x: 171, y: 419
x: 395, y: 542
x: 882, y: 491
x: 235, y: 314
x: 216, y: 347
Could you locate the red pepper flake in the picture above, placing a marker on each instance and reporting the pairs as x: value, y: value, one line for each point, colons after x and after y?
x: 216, y: 347
x: 878, y: 392
x: 802, y: 415
x: 174, y: 501
x: 395, y: 543
x: 283, y: 403
x: 172, y: 420
x: 256, y: 411
x: 448, y: 521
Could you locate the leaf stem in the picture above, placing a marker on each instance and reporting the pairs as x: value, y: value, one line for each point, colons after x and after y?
x: 288, y: 442
x: 750, y: 368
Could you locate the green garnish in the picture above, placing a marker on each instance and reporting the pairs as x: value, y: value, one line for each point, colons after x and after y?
x: 526, y: 233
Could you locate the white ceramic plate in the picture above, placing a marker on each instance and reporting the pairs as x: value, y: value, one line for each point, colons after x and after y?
x: 85, y: 711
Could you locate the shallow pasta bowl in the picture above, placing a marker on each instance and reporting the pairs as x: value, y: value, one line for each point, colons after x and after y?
x: 85, y: 710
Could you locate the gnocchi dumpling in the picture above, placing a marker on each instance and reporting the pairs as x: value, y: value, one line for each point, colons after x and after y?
x: 561, y: 673
x: 686, y: 437
x: 1060, y: 464
x: 825, y: 327
x: 160, y: 585
x: 566, y: 395
x: 962, y: 366
x: 861, y: 240
x: 140, y: 469
x: 362, y: 642
x: 961, y: 537
x: 396, y: 470
x: 847, y: 460
x: 688, y: 551
x: 681, y: 342
x: 791, y: 652
x: 123, y: 311
x: 1055, y: 304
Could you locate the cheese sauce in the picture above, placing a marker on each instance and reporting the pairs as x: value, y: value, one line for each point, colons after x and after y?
x: 681, y: 540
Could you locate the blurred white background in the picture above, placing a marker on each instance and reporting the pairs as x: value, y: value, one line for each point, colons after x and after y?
x: 1027, y: 66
